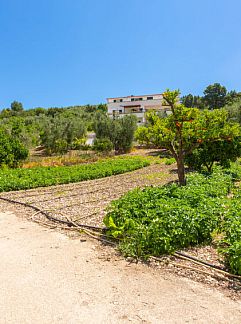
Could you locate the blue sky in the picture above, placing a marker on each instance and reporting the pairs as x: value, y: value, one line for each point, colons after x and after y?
x: 67, y: 52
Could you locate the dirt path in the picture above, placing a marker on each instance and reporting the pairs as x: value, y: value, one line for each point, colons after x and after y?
x: 47, y: 278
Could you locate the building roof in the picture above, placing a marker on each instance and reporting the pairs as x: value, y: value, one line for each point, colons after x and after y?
x: 146, y: 95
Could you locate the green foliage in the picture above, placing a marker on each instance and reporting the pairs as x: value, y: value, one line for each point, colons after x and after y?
x: 102, y: 145
x: 170, y: 161
x: 12, y: 152
x: 80, y: 144
x: 232, y: 97
x: 220, y: 151
x: 185, y: 130
x: 119, y: 131
x: 60, y: 132
x: 18, y: 179
x: 31, y: 126
x: 215, y: 96
x: 102, y: 107
x: 231, y: 228
x: 161, y: 220
x: 234, y: 110
x: 233, y: 257
x: 26, y: 130
x: 191, y: 101
x: 16, y: 106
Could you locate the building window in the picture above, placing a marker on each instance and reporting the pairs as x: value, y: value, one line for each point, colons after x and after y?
x: 132, y: 99
x: 149, y: 98
x: 117, y: 100
x: 120, y: 111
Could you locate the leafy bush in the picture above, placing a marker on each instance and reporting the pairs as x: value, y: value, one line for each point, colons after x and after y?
x: 12, y: 152
x: 18, y: 179
x: 160, y: 220
x: 231, y: 227
x: 103, y: 145
x: 119, y: 131
x: 233, y: 257
x: 78, y: 143
x: 221, y: 151
x: 60, y: 132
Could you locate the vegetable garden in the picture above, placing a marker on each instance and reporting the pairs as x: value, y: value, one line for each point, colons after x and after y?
x: 160, y: 220
x: 18, y: 179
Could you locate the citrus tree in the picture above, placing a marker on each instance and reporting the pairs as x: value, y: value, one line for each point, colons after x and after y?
x: 185, y: 130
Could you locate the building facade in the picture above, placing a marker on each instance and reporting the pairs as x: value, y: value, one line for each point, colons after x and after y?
x: 137, y: 105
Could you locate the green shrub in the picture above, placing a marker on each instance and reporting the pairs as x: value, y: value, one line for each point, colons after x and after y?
x: 78, y: 143
x: 231, y: 228
x: 222, y: 151
x: 103, y: 145
x: 12, y: 151
x: 119, y: 131
x: 233, y: 257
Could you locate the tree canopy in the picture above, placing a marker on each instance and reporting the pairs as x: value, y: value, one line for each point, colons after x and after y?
x: 215, y: 96
x: 16, y: 106
x: 185, y: 130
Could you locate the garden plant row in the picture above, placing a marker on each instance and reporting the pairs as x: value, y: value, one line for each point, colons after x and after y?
x: 161, y: 220
x: 17, y: 179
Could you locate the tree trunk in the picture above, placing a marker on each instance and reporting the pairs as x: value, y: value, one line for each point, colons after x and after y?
x: 181, y: 171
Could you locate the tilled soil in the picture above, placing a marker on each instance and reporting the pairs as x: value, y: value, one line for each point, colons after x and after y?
x: 86, y: 201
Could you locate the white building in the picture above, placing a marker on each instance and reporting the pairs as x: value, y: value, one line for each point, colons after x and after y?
x: 137, y: 105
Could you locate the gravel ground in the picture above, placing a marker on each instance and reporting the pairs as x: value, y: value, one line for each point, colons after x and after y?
x: 47, y: 278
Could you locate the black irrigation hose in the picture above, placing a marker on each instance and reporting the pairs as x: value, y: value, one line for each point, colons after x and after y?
x: 200, y: 261
x: 71, y: 224
x: 197, y: 261
x: 51, y: 218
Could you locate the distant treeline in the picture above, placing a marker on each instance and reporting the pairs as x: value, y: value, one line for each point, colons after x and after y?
x: 58, y: 130
x: 17, y: 109
x: 214, y: 96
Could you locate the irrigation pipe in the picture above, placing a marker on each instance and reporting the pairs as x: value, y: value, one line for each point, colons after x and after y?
x: 190, y: 257
x: 206, y: 264
x: 195, y: 269
x: 199, y: 262
x: 89, y: 227
x: 51, y: 218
